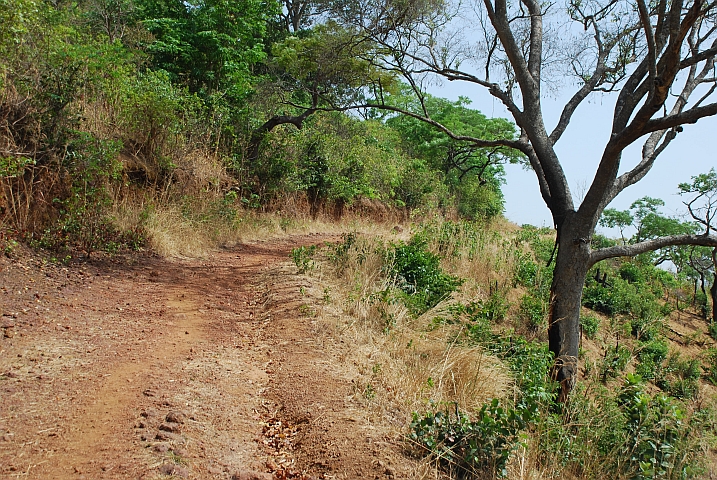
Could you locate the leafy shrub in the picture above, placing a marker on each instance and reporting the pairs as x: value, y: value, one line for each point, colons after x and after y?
x: 650, y: 357
x: 618, y: 296
x: 494, y: 308
x: 711, y: 369
x: 646, y: 329
x: 526, y: 271
x: 631, y: 273
x: 614, y: 361
x: 419, y: 275
x: 542, y: 247
x: 601, y: 241
x: 303, y: 257
x: 680, y: 377
x: 590, y: 325
x: 340, y: 252
x: 478, y: 201
x: 533, y: 311
x: 655, y: 431
x: 712, y: 329
x: 472, y: 447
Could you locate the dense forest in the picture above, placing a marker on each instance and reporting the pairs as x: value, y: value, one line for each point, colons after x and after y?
x: 142, y: 125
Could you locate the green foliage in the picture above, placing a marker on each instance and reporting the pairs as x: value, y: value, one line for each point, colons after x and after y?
x: 680, y: 377
x: 417, y: 272
x: 209, y: 46
x: 527, y: 270
x: 590, y: 325
x: 618, y: 296
x: 711, y: 369
x: 493, y: 309
x: 533, y: 311
x: 614, y: 361
x: 473, y: 175
x: 303, y: 257
x: 651, y: 354
x: 654, y: 427
x: 155, y: 114
x: 483, y: 445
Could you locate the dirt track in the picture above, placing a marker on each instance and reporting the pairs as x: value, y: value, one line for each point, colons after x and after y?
x: 154, y: 368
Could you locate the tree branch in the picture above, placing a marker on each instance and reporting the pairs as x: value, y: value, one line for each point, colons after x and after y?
x: 651, y: 245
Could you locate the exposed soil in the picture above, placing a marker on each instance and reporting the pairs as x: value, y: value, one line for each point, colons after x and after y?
x: 153, y: 368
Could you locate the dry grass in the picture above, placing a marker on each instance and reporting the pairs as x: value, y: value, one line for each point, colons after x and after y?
x: 406, y: 363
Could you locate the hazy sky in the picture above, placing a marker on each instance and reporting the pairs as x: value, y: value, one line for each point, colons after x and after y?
x: 694, y: 151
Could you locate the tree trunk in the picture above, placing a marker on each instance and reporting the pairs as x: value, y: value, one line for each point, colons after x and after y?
x: 703, y: 300
x: 571, y: 267
x: 713, y: 290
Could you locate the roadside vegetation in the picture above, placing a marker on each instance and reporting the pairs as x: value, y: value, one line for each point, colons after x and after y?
x: 448, y: 323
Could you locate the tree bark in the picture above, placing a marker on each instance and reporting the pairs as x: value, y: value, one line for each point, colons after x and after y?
x: 571, y: 267
x: 258, y: 135
x: 713, y: 290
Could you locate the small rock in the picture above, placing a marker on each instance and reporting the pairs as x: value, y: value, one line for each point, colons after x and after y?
x: 10, y: 374
x: 247, y: 475
x: 9, y: 333
x: 169, y: 437
x: 170, y: 427
x: 149, y: 413
x: 180, y: 452
x: 7, y: 322
x: 141, y: 424
x: 176, y: 416
x: 161, y: 447
x: 149, y: 393
x: 172, y: 469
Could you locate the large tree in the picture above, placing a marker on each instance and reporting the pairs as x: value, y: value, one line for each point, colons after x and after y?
x: 656, y: 58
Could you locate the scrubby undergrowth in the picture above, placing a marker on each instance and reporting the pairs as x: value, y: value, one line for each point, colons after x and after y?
x: 448, y: 323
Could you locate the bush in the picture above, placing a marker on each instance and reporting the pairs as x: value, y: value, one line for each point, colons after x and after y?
x: 533, y: 311
x: 470, y: 448
x: 303, y: 258
x: 656, y: 431
x: 417, y: 272
x: 590, y: 325
x: 711, y: 369
x: 650, y: 356
x: 680, y: 377
x: 526, y: 271
x: 477, y: 201
x: 614, y: 361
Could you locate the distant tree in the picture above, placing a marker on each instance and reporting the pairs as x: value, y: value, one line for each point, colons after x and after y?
x: 657, y: 58
x: 703, y: 210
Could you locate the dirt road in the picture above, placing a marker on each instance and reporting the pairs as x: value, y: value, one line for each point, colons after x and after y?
x: 152, y: 368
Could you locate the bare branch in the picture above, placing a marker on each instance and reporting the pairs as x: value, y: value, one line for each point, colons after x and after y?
x: 651, y: 245
x: 650, y: 37
x: 689, y: 116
